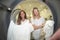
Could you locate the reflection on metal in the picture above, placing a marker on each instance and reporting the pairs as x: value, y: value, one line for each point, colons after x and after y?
x: 15, y: 15
x: 2, y: 6
x: 28, y: 5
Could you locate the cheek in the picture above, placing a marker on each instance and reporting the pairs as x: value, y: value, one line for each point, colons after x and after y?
x: 22, y: 15
x: 35, y: 13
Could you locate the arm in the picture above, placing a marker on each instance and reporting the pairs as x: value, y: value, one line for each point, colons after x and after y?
x: 42, y: 25
x: 36, y: 27
x: 56, y: 36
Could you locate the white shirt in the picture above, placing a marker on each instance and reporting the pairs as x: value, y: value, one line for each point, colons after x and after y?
x: 37, y: 22
x: 20, y: 32
x: 48, y: 28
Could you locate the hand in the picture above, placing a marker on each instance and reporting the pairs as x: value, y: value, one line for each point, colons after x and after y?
x: 42, y: 25
x: 35, y: 27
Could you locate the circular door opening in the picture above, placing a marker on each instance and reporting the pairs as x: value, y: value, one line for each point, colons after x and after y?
x: 28, y: 6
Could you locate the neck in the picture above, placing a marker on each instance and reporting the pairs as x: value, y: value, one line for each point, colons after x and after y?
x: 23, y: 19
x: 37, y: 16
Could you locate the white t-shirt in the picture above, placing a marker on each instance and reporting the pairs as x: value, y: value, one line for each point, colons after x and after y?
x: 20, y: 32
x: 37, y: 22
x: 48, y: 28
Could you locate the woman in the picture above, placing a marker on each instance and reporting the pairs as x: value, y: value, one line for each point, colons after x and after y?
x: 21, y: 30
x: 37, y: 21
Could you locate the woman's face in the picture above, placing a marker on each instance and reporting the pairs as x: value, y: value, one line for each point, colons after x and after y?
x: 35, y: 12
x: 22, y: 15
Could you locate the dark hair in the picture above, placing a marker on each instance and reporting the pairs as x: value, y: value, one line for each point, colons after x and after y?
x: 19, y: 17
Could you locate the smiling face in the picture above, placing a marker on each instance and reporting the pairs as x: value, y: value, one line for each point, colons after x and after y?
x: 22, y: 14
x: 35, y: 12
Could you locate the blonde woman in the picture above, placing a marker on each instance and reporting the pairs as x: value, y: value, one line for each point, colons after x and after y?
x: 37, y: 21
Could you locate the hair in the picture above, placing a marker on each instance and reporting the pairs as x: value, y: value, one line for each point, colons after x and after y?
x: 19, y: 17
x: 33, y: 11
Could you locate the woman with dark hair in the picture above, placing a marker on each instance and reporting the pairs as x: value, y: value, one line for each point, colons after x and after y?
x: 21, y: 30
x: 21, y: 16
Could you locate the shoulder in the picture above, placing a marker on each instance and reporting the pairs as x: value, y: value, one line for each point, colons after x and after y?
x: 32, y: 18
x: 41, y: 17
x: 27, y: 21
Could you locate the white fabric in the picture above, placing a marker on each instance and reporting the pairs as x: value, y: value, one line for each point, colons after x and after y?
x: 20, y: 32
x: 9, y: 34
x: 48, y: 28
x: 37, y: 22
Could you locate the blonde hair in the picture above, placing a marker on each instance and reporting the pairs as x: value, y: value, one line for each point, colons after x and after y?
x: 33, y: 12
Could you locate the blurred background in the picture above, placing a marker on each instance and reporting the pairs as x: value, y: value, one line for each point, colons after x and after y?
x: 10, y: 7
